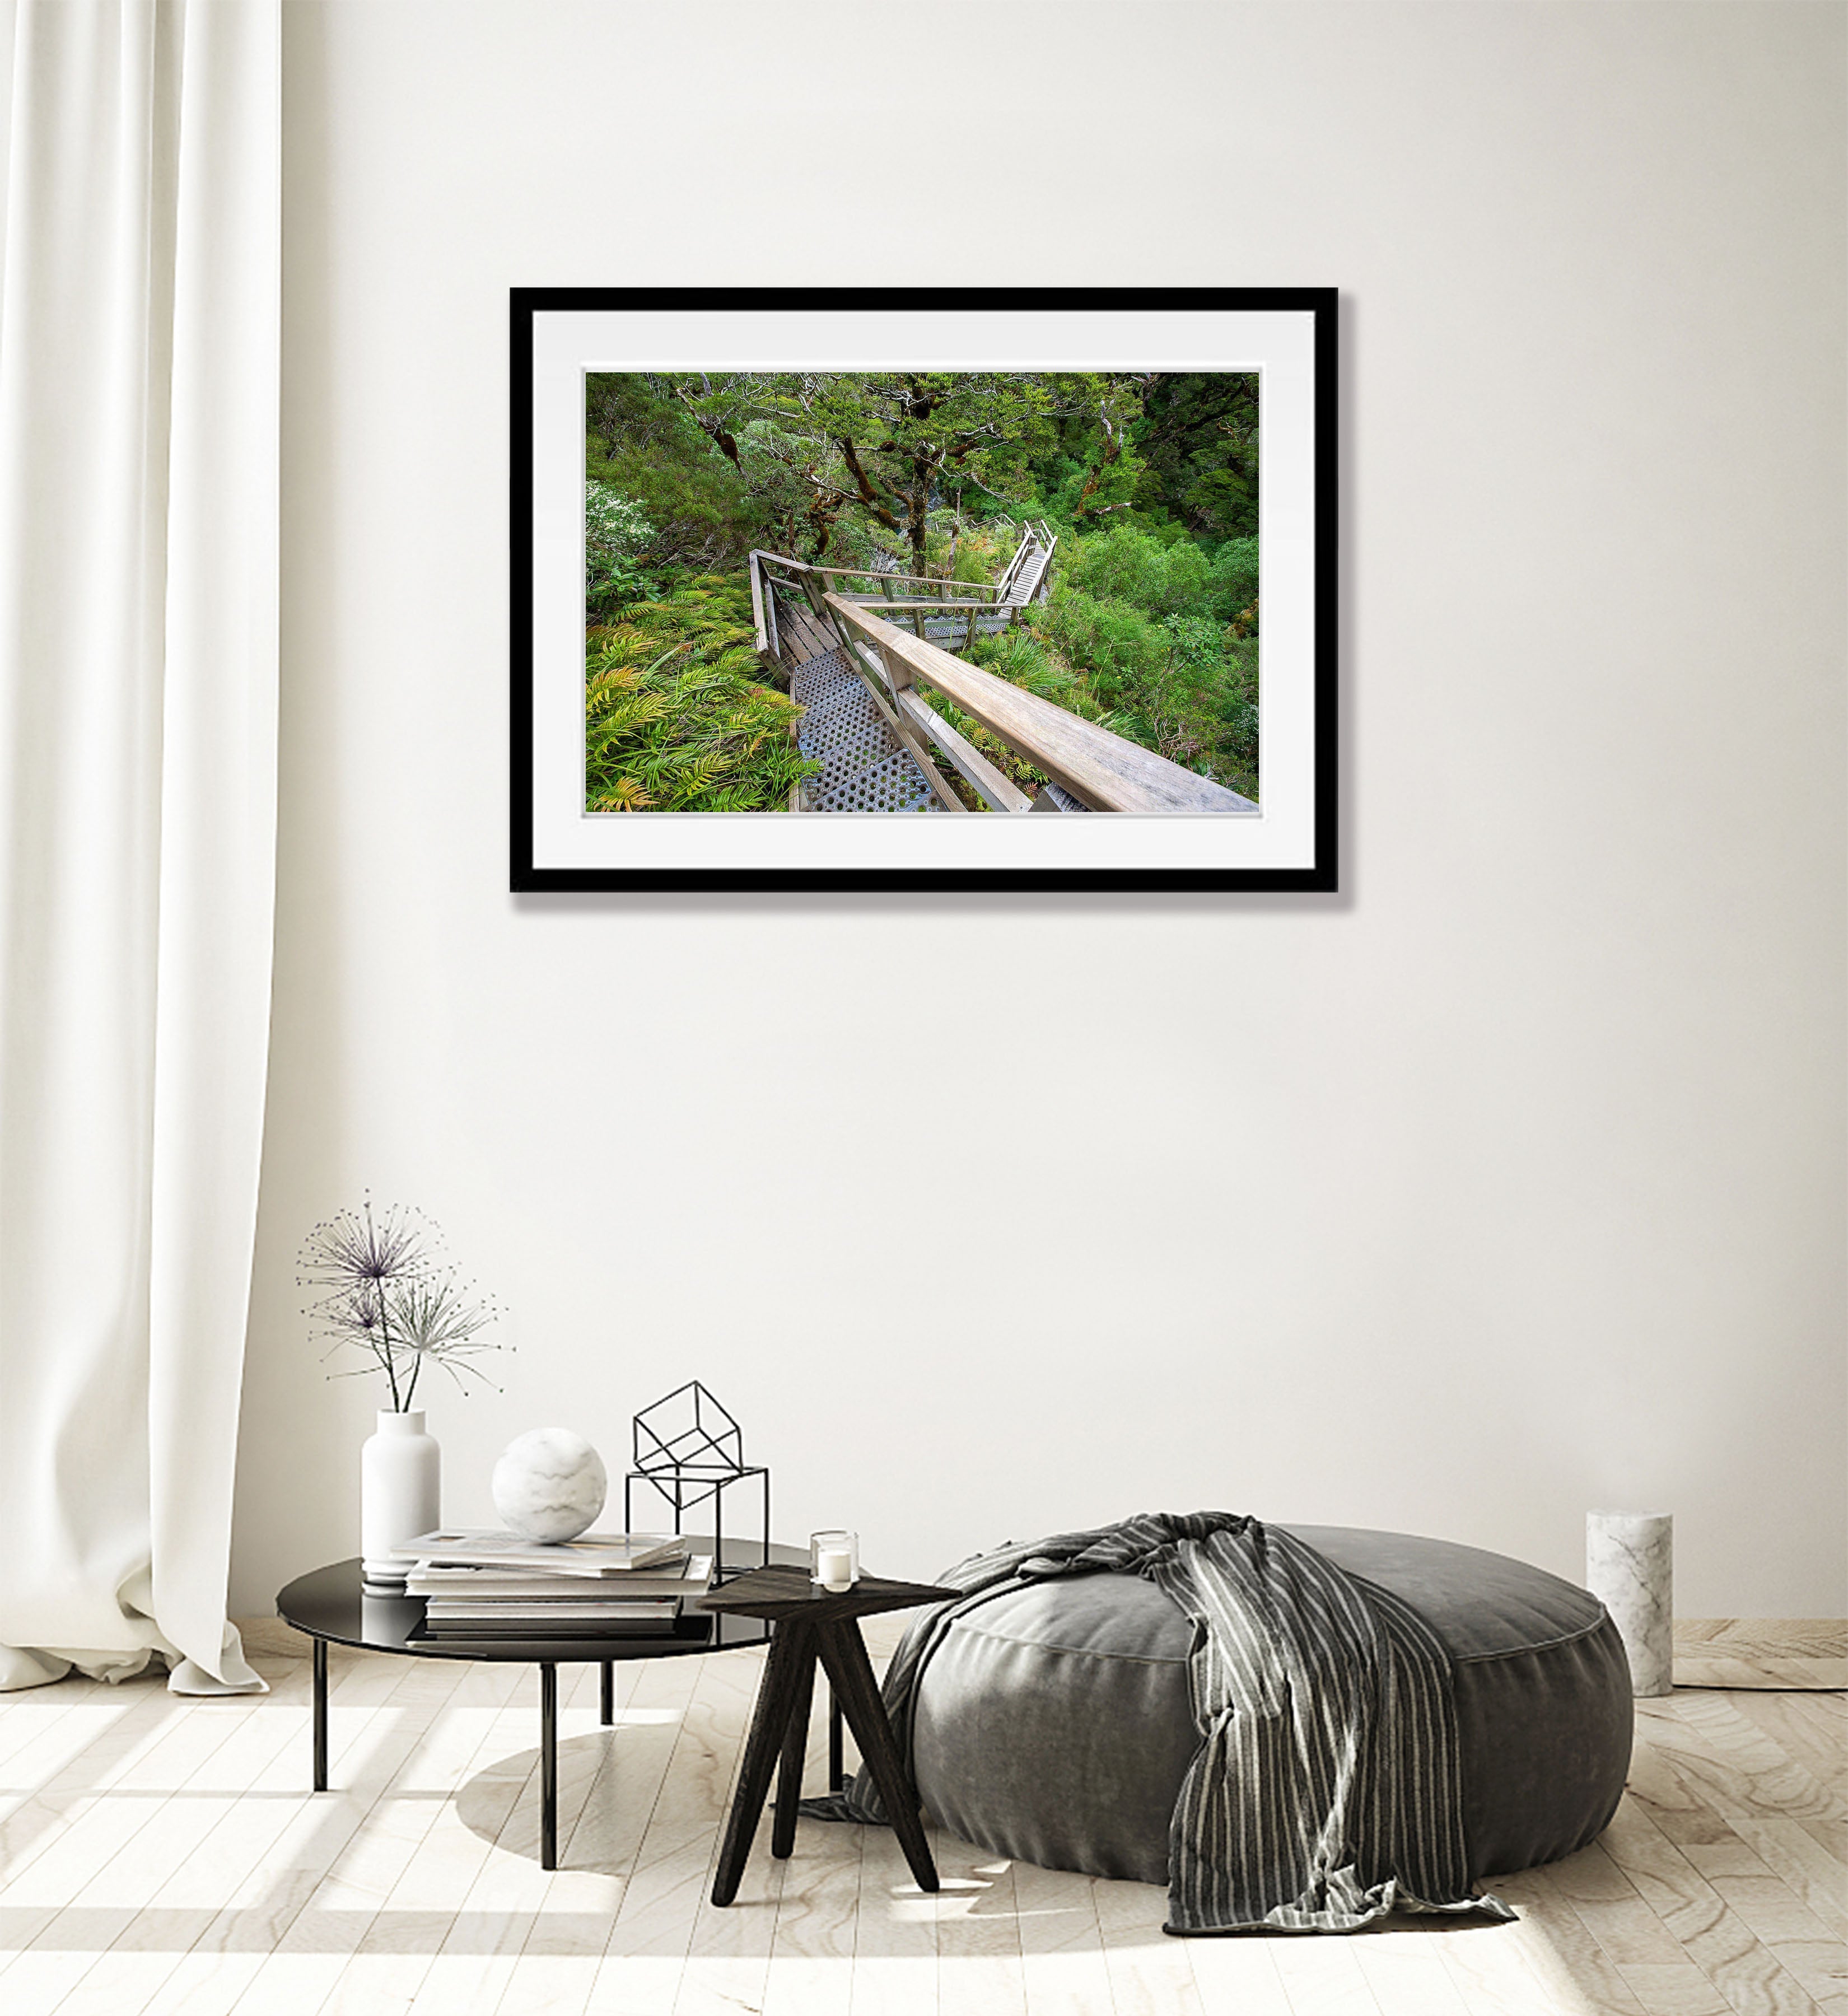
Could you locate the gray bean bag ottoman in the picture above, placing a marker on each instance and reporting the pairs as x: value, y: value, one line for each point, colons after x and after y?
x: 1052, y: 1724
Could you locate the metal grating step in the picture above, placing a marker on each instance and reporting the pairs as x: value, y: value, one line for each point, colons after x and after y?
x: 846, y: 736
x: 822, y: 677
x: 894, y: 784
x: 956, y: 629
x: 865, y: 768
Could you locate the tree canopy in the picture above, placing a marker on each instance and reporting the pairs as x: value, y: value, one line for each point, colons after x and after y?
x: 818, y: 461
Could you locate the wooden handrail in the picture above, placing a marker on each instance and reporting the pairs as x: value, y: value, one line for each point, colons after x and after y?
x: 922, y: 580
x: 1106, y: 772
x: 763, y: 607
x: 996, y: 788
x: 873, y: 574
x: 754, y: 573
x: 962, y: 608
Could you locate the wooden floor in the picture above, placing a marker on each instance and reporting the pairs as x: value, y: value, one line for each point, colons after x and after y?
x: 163, y: 1855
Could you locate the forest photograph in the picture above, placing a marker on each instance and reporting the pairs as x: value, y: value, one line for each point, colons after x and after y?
x: 898, y: 590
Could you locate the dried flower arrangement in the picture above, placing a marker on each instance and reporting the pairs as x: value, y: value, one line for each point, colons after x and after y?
x: 387, y: 1290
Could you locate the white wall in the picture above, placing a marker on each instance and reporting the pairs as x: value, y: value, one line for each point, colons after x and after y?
x: 1509, y: 1183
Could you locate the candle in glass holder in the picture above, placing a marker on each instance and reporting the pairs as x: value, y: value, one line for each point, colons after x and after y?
x: 834, y: 1559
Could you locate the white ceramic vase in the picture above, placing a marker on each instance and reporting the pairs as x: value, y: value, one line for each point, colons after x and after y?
x: 401, y: 1470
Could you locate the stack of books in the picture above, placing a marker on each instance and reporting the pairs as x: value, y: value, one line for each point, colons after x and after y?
x: 488, y: 1586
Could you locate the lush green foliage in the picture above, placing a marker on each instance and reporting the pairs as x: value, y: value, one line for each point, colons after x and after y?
x: 1153, y: 636
x: 616, y: 534
x: 675, y: 720
x: 1178, y: 683
x: 643, y: 445
x: 1150, y: 479
x: 1197, y: 442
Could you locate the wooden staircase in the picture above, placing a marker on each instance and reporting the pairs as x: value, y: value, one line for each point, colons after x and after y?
x: 865, y: 768
x: 860, y: 661
x: 1026, y: 581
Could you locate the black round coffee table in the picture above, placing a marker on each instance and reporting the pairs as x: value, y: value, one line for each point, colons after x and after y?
x: 332, y: 1606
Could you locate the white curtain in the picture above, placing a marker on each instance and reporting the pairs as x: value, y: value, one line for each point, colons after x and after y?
x: 139, y: 376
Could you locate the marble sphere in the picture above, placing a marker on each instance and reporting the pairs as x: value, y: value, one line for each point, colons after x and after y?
x: 549, y: 1484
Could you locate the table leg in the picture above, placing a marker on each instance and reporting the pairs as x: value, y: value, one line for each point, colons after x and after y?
x: 320, y: 1717
x: 548, y: 1765
x: 836, y: 1763
x: 606, y: 1710
x: 792, y: 1656
x: 795, y: 1751
x: 850, y: 1673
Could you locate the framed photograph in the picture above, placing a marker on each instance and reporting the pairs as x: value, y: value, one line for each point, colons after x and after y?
x: 997, y: 588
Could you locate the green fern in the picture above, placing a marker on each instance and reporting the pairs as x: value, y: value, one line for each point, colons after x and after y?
x: 675, y: 717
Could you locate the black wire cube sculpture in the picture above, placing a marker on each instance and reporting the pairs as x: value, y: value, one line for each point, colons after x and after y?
x: 688, y: 1449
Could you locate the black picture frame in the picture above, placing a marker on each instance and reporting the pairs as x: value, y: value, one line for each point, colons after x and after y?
x: 1313, y: 868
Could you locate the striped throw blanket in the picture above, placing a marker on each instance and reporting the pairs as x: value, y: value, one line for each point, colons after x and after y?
x: 1326, y: 1790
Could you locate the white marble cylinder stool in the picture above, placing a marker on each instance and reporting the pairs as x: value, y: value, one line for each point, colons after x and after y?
x: 1629, y: 1567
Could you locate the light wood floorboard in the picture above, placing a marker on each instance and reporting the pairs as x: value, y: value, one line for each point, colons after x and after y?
x: 163, y: 1857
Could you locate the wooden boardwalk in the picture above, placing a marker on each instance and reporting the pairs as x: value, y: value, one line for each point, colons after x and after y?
x: 1026, y: 582
x: 894, y: 751
x: 163, y: 1857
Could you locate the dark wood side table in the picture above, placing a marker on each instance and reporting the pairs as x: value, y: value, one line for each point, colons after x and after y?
x: 810, y: 1624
